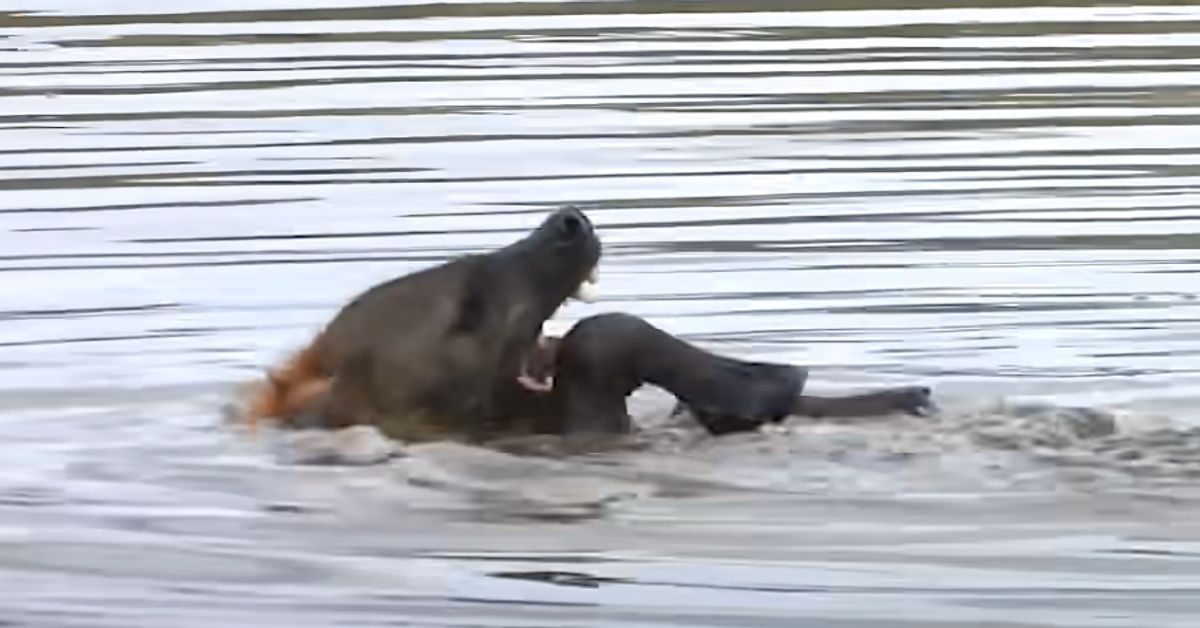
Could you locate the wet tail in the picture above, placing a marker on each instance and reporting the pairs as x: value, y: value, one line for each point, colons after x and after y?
x: 287, y: 390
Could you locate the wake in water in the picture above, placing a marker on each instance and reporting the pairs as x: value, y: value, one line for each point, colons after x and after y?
x: 969, y: 445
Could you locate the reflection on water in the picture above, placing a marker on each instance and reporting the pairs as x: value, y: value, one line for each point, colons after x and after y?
x: 991, y: 197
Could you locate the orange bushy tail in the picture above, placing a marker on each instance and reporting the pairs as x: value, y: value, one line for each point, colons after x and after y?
x: 287, y: 390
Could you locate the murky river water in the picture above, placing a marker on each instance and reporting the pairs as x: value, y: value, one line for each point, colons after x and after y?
x: 994, y: 198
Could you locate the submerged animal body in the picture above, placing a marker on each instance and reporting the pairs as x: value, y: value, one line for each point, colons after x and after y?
x: 605, y: 357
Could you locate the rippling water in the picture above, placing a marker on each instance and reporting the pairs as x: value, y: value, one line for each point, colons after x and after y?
x: 991, y: 197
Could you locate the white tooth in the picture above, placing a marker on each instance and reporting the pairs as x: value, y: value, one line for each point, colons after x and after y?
x: 586, y: 292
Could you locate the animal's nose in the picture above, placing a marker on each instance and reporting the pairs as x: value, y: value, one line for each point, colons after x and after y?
x: 574, y: 211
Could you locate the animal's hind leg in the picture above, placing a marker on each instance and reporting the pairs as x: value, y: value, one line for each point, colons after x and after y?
x: 345, y: 401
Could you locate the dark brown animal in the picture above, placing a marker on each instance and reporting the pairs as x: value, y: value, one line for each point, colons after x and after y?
x: 427, y: 355
x: 606, y: 357
x: 456, y: 351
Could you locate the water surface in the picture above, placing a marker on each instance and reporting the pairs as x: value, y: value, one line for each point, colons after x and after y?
x: 993, y: 197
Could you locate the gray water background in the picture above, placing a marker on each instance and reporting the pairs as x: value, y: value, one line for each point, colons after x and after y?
x: 994, y: 198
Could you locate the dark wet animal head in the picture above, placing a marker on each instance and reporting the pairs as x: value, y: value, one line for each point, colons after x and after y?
x: 561, y: 253
x: 571, y: 235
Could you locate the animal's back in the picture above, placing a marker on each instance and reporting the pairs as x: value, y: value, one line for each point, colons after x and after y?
x: 415, y: 308
x: 381, y: 315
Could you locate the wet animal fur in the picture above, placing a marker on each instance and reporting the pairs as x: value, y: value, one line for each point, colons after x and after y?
x: 288, y: 390
x: 428, y: 354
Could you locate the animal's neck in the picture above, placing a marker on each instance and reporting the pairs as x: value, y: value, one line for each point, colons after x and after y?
x: 551, y: 284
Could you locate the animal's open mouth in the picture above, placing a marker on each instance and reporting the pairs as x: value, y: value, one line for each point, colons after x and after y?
x: 537, y: 365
